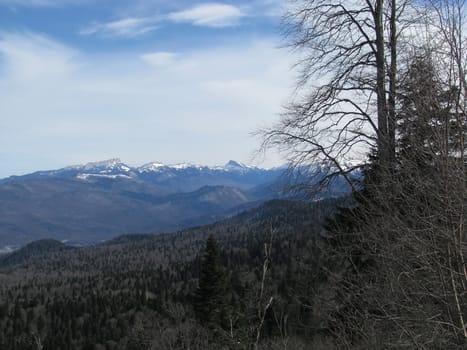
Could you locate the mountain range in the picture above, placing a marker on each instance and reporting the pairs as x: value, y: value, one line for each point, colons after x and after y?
x: 169, y: 178
x: 97, y: 201
x: 93, y: 202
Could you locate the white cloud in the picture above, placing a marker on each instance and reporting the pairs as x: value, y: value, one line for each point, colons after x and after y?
x: 159, y: 58
x: 209, y: 15
x: 214, y: 15
x: 60, y: 106
x: 127, y: 27
x: 30, y: 56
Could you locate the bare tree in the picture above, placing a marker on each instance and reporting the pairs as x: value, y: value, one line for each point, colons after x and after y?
x: 399, y: 258
x: 451, y: 25
x: 344, y: 103
x: 264, y: 302
x: 398, y: 263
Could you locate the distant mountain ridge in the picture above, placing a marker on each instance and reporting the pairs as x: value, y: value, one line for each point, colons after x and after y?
x: 100, y: 200
x: 31, y: 250
x: 182, y: 177
x: 115, y: 166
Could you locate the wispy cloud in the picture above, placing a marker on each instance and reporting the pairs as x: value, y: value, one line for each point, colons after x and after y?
x: 159, y: 58
x: 30, y: 56
x: 209, y: 15
x: 215, y: 15
x: 127, y: 27
x: 62, y: 106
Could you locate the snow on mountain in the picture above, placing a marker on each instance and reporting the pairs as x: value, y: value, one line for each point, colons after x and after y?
x: 100, y: 199
x: 105, y: 166
x: 176, y: 177
x: 154, y: 166
x: 231, y: 166
x: 183, y: 166
x: 158, y: 171
x: 102, y: 176
x: 116, y: 165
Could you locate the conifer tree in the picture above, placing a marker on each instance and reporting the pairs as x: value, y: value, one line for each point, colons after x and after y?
x: 210, y: 302
x: 426, y: 114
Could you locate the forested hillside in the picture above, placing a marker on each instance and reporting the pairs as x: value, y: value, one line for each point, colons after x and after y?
x: 140, y: 292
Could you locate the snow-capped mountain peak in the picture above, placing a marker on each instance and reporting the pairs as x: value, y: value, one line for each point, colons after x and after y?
x: 106, y: 164
x: 114, y: 169
x: 111, y: 168
x: 182, y: 166
x: 234, y: 165
x: 153, y: 166
x: 158, y: 167
x: 110, y: 164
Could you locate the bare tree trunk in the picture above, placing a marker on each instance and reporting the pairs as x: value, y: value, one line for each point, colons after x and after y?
x: 392, y: 83
x: 262, y: 305
x: 383, y: 144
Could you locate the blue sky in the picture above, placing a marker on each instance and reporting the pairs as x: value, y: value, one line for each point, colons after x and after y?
x: 160, y: 80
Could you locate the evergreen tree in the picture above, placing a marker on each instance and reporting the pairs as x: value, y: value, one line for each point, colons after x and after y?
x: 210, y: 302
x: 390, y: 253
x: 139, y: 338
x: 425, y: 114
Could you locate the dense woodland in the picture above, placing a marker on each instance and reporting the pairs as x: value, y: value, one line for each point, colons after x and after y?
x: 141, y: 291
x: 382, y: 269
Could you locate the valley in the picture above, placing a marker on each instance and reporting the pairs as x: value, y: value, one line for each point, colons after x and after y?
x: 95, y: 202
x: 98, y: 201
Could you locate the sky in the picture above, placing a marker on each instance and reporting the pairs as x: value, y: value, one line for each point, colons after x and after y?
x: 141, y: 80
